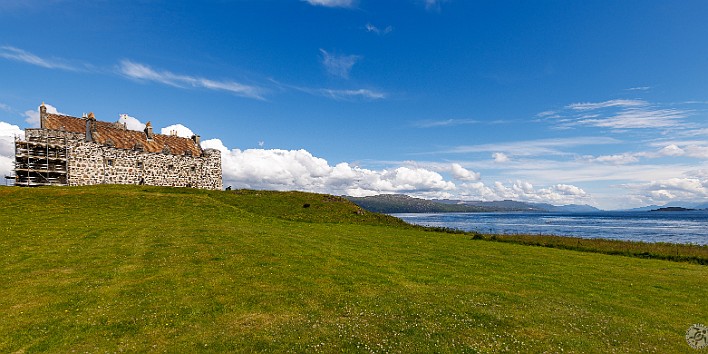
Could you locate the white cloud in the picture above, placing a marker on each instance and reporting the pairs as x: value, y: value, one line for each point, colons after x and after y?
x: 462, y: 174
x: 697, y: 151
x: 22, y: 56
x: 373, y: 29
x: 446, y: 123
x: 336, y: 94
x: 611, y: 103
x: 348, y: 94
x: 131, y: 123
x: 177, y: 129
x: 639, y: 118
x: 639, y: 88
x: 671, y: 150
x: 338, y: 65
x: 535, y: 147
x: 331, y: 3
x: 524, y: 191
x: 500, y: 157
x: 619, y: 159
x: 621, y: 114
x: 8, y: 132
x: 684, y: 188
x: 143, y: 72
x: 300, y: 170
x: 32, y: 117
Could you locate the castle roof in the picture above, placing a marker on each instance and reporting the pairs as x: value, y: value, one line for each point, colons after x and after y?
x: 117, y: 135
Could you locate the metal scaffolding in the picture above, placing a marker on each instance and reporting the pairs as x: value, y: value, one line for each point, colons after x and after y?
x: 41, y: 160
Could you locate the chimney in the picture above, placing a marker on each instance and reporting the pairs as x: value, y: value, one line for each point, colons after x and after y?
x: 148, y: 130
x: 42, y: 115
x: 90, y: 126
x: 197, y: 139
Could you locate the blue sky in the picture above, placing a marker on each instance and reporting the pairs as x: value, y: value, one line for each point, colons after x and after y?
x: 589, y: 102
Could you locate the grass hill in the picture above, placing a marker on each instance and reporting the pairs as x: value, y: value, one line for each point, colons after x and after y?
x: 151, y: 269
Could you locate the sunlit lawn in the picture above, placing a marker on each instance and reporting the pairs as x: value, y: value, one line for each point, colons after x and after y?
x: 121, y: 268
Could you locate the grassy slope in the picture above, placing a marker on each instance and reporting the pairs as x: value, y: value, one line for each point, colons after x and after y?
x: 113, y: 268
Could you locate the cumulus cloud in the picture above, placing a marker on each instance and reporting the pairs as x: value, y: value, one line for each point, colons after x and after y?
x: 331, y: 3
x: 524, y: 191
x: 131, y: 123
x: 660, y: 191
x: 462, y: 174
x: 177, y: 129
x: 500, y: 157
x: 338, y: 65
x: 671, y: 150
x: 8, y: 132
x: 300, y: 170
x: 145, y: 73
x: 32, y: 117
x: 694, y: 149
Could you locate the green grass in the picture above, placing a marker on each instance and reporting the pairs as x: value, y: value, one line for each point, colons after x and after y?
x: 150, y: 269
x: 668, y: 251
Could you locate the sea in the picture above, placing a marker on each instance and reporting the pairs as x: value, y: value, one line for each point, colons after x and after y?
x: 687, y: 227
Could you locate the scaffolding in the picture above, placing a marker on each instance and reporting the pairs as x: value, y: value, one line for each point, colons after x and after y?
x: 41, y: 160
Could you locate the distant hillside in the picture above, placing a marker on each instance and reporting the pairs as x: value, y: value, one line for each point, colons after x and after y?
x: 511, y: 205
x: 670, y: 209
x: 398, y: 203
x: 677, y: 204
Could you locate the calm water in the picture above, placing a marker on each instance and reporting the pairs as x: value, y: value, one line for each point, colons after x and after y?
x: 675, y: 227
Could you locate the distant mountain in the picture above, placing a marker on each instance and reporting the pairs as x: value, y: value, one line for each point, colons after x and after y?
x: 505, y: 205
x: 398, y: 203
x: 644, y: 208
x: 670, y: 209
x: 511, y: 205
x: 575, y: 208
x: 676, y: 204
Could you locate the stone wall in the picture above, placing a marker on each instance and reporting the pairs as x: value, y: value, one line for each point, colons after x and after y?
x: 91, y: 163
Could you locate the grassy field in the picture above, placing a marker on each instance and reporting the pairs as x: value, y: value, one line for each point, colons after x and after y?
x: 149, y: 269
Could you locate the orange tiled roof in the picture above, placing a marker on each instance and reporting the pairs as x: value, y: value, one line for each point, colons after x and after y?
x: 120, y: 137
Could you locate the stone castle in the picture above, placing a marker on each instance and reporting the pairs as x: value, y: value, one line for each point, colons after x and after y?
x: 83, y: 151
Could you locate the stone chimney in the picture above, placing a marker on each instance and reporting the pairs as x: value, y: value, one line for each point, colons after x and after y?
x: 148, y: 131
x: 90, y: 126
x: 42, y: 115
x: 197, y: 139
